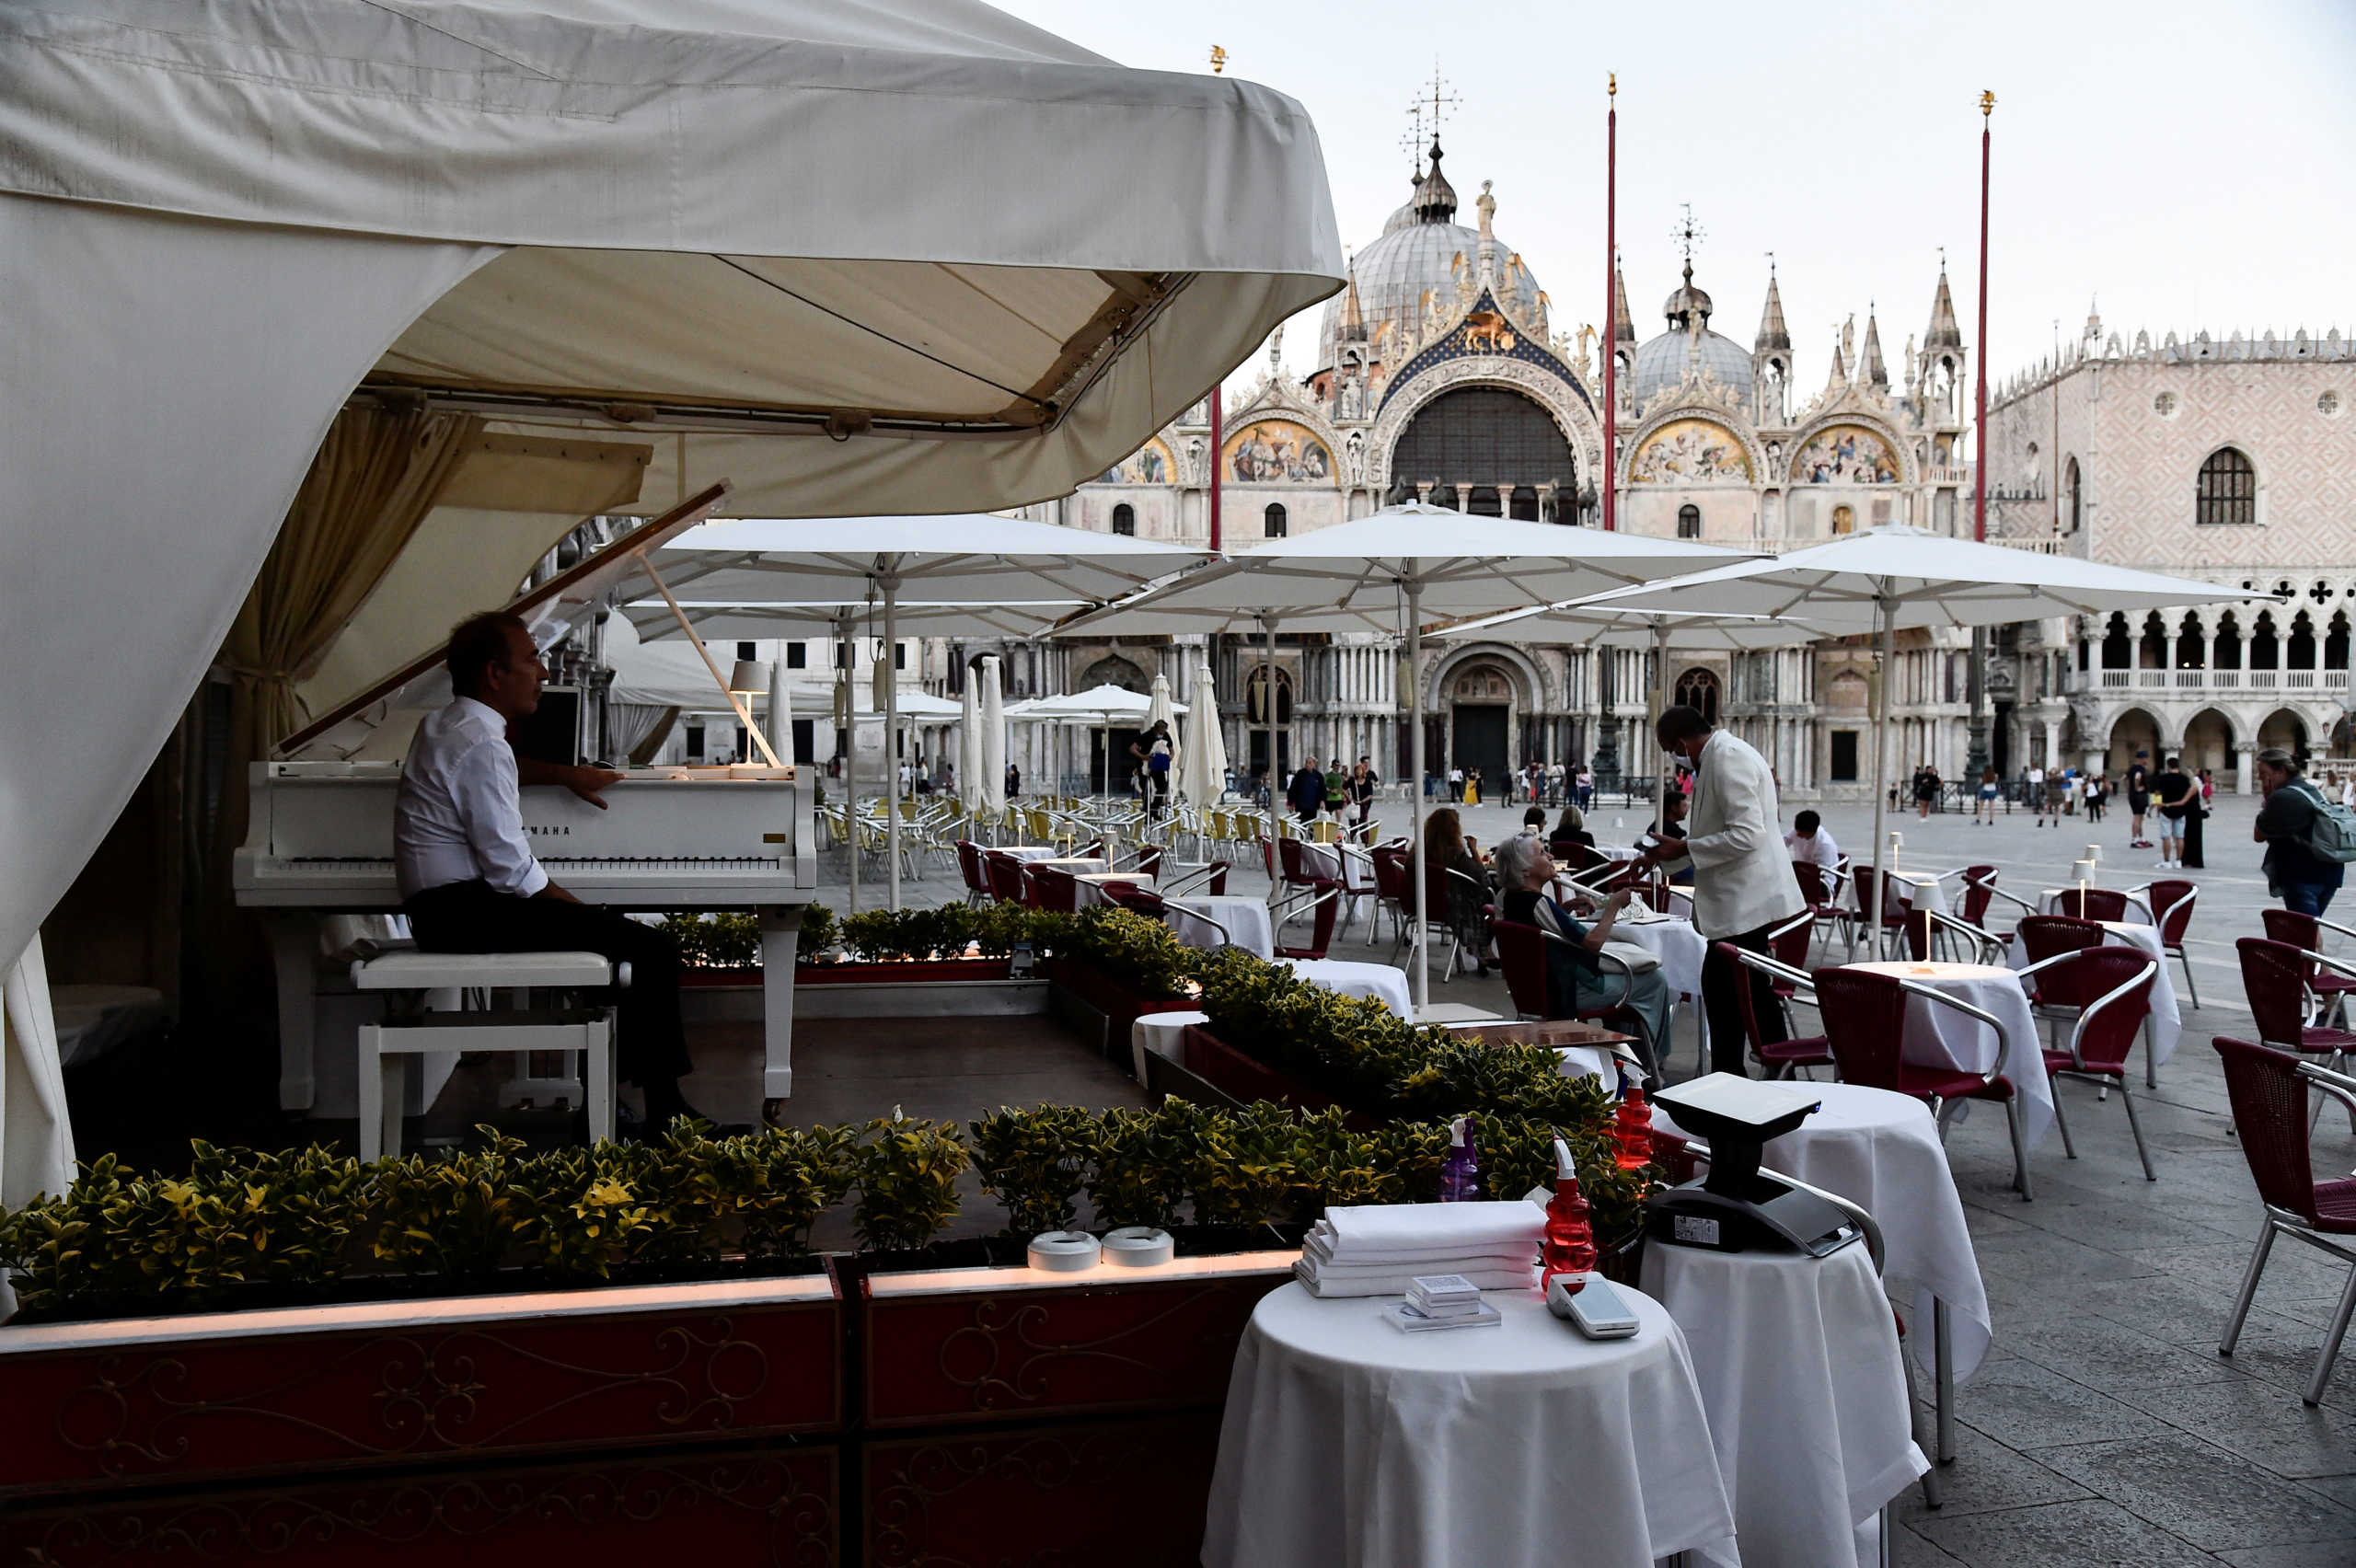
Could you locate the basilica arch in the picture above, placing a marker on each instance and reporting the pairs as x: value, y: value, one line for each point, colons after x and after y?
x: 1562, y: 401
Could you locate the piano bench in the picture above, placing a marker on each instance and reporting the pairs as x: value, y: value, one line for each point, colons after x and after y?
x: 589, y: 1031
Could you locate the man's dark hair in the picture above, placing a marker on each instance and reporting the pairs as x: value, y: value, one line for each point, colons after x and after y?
x: 1679, y: 724
x: 1674, y: 802
x: 1536, y: 814
x: 477, y: 643
x: 2170, y: 763
x: 1807, y: 822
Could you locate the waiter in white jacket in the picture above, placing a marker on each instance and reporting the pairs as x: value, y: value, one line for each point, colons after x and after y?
x: 1743, y: 886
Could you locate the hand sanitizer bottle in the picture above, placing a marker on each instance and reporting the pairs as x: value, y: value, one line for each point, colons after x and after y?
x: 1459, y: 1169
x: 1569, y: 1246
x: 1631, y: 1129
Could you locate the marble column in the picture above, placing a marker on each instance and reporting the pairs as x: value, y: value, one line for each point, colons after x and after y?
x: 2244, y: 766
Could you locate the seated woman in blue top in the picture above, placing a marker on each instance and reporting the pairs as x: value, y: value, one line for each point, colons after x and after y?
x: 1574, y: 982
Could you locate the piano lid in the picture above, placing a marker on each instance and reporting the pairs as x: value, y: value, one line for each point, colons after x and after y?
x: 557, y: 604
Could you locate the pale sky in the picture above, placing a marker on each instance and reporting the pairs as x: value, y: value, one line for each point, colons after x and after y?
x: 2184, y: 165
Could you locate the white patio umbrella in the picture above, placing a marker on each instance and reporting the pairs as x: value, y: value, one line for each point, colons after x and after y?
x: 1159, y: 711
x: 1098, y: 707
x: 1586, y: 623
x: 1387, y: 572
x: 1897, y: 576
x: 720, y: 622
x: 1202, y: 752
x: 975, y: 558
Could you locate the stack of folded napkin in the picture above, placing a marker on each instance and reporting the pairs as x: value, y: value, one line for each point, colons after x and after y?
x: 1379, y: 1250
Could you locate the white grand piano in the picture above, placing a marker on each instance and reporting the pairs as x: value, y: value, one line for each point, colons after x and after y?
x: 320, y: 842
x: 319, y: 834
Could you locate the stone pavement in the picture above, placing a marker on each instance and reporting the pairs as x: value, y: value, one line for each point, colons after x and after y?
x: 2104, y: 1428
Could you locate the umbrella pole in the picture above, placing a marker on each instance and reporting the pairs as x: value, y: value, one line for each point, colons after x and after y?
x: 1881, y: 738
x: 892, y: 730
x: 1660, y: 705
x: 850, y: 749
x: 1417, y: 880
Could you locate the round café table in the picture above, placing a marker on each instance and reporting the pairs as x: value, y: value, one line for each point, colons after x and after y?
x: 1941, y: 1037
x: 1798, y: 1360
x: 1348, y: 1443
x: 1077, y: 865
x: 1027, y: 851
x: 1164, y: 1034
x: 1921, y: 890
x: 2056, y: 901
x: 1245, y: 917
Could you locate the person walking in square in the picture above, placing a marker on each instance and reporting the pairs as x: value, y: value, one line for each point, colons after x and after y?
x: 2302, y: 879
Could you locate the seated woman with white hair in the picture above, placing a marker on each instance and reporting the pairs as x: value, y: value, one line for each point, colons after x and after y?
x: 1576, y: 982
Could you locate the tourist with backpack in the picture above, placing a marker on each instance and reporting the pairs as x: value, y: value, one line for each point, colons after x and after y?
x: 2309, y: 840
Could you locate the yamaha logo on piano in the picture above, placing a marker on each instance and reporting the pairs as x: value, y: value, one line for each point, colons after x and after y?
x: 546, y: 830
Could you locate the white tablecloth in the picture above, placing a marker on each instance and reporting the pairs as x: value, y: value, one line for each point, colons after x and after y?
x: 1881, y: 1151
x: 1246, y: 919
x: 1675, y: 942
x: 1031, y: 851
x: 2165, y: 1026
x: 1798, y: 1364
x: 1092, y: 885
x: 1163, y: 1033
x: 1349, y: 1443
x: 1385, y: 981
x: 2054, y: 901
x: 1941, y: 1037
x: 1618, y: 851
x: 1077, y: 866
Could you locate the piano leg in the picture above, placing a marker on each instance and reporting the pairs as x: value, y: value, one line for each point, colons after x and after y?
x: 293, y: 948
x: 780, y: 930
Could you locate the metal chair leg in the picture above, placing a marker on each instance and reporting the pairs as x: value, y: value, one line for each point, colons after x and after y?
x: 2020, y: 1149
x: 2135, y: 1126
x: 2061, y: 1121
x: 2249, y: 1289
x: 2191, y: 986
x: 2330, y: 1351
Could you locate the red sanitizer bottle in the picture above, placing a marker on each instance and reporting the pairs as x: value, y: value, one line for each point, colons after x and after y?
x: 1569, y: 1247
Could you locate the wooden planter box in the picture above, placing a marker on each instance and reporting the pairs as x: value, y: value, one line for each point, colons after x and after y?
x: 1101, y: 1009
x: 1013, y: 1416
x: 363, y: 1432
x: 1247, y: 1078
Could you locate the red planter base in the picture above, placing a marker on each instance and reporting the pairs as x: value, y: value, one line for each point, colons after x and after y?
x: 914, y: 974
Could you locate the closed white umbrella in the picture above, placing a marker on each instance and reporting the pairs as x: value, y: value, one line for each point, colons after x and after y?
x: 1896, y: 576
x: 1387, y: 572
x: 1161, y: 711
x: 1202, y: 756
x: 970, y: 792
x: 993, y: 741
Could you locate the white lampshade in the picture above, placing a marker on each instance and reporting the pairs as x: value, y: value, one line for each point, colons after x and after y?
x: 749, y: 676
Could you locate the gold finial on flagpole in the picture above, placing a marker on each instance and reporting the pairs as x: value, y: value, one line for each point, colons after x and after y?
x: 1612, y: 84
x: 1987, y: 104
x: 1219, y: 60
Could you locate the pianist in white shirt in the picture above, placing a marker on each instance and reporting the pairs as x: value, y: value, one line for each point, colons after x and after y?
x: 1810, y: 843
x: 469, y: 880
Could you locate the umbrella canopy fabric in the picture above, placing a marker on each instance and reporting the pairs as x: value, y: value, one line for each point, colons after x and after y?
x: 970, y: 557
x: 1924, y: 579
x: 729, y: 623
x: 1353, y: 576
x: 1097, y: 705
x: 969, y: 749
x: 1584, y: 623
x: 1896, y: 576
x: 1202, y: 754
x: 1159, y: 709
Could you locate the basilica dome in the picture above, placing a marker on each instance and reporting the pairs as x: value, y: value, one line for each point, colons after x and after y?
x: 1661, y: 362
x: 1415, y: 255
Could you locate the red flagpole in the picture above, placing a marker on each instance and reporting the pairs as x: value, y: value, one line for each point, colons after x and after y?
x: 1611, y: 302
x: 1980, y: 349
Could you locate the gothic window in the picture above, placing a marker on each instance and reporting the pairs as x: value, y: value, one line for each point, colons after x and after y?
x: 2264, y: 653
x: 1689, y: 522
x: 2227, y: 493
x: 2229, y: 642
x: 2118, y: 651
x: 1698, y: 689
x: 2302, y: 643
x: 1256, y: 695
x: 2155, y: 643
x: 747, y: 651
x: 2071, y: 497
x: 2335, y: 642
x: 1481, y: 435
x: 797, y: 655
x: 1124, y: 519
x: 1484, y: 502
x: 1114, y: 671
x: 1272, y: 523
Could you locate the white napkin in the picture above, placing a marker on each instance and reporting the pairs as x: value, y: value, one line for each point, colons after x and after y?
x: 1467, y: 1265
x: 1321, y: 1249
x: 1398, y: 1282
x: 1368, y: 1233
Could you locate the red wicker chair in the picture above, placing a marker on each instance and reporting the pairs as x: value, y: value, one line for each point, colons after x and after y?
x: 2274, y: 976
x: 2171, y: 903
x: 1054, y: 890
x: 2328, y: 988
x: 2268, y: 1089
x: 1782, y: 1058
x: 1008, y: 884
x: 2118, y: 980
x: 1521, y: 951
x: 2094, y: 904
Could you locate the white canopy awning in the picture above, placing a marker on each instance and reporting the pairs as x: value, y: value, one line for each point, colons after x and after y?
x: 726, y: 622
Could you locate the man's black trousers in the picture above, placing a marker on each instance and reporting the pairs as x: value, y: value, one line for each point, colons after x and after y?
x: 470, y: 916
